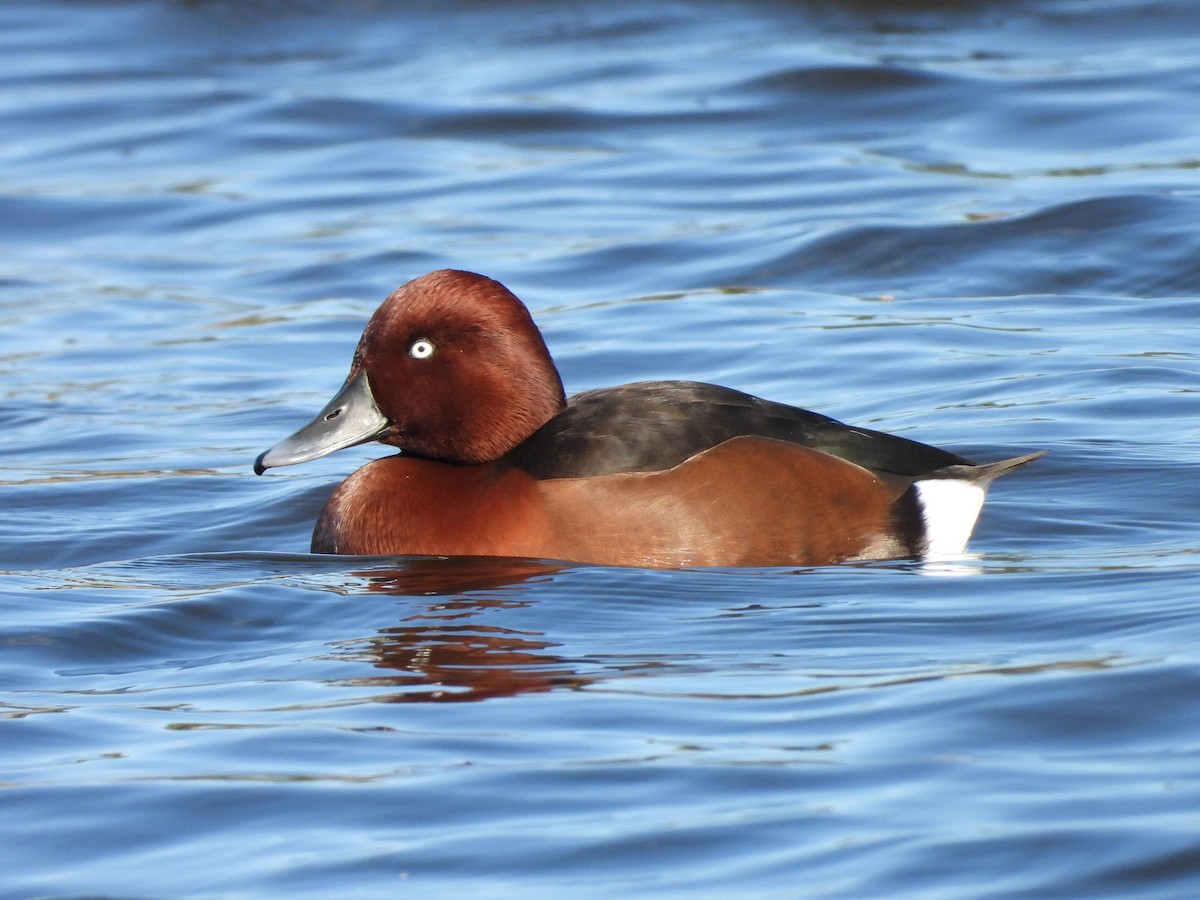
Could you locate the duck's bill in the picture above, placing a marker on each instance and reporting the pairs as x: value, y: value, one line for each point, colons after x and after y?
x: 350, y: 418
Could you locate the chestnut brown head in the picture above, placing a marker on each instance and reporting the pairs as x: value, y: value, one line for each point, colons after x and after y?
x: 450, y: 367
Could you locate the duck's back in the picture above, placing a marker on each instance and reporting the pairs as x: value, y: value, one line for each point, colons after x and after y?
x: 652, y: 426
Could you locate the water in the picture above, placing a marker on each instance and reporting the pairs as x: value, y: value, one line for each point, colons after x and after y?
x: 974, y: 224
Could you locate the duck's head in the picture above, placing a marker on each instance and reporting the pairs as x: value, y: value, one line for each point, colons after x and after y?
x: 450, y: 367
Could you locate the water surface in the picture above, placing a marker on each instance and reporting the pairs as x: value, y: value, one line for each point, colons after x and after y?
x: 972, y: 224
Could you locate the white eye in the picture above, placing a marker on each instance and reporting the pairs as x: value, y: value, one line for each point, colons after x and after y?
x: 421, y: 349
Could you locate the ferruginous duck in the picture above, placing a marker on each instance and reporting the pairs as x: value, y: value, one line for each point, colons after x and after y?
x: 495, y: 460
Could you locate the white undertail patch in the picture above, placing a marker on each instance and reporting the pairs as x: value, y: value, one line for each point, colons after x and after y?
x: 949, y: 507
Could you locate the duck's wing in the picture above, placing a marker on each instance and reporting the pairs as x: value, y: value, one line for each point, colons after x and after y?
x: 652, y: 426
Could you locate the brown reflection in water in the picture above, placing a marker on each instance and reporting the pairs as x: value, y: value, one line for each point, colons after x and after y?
x: 441, y: 652
x: 438, y: 576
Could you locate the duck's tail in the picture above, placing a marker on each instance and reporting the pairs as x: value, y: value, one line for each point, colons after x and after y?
x: 939, y: 512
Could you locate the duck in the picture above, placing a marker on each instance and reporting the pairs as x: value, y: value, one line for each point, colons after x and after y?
x: 495, y: 461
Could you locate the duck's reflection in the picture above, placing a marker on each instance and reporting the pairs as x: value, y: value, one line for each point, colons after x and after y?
x: 435, y: 576
x: 442, y: 651
x: 452, y: 641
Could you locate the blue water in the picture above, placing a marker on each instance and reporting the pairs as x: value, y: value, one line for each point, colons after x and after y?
x: 974, y: 224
